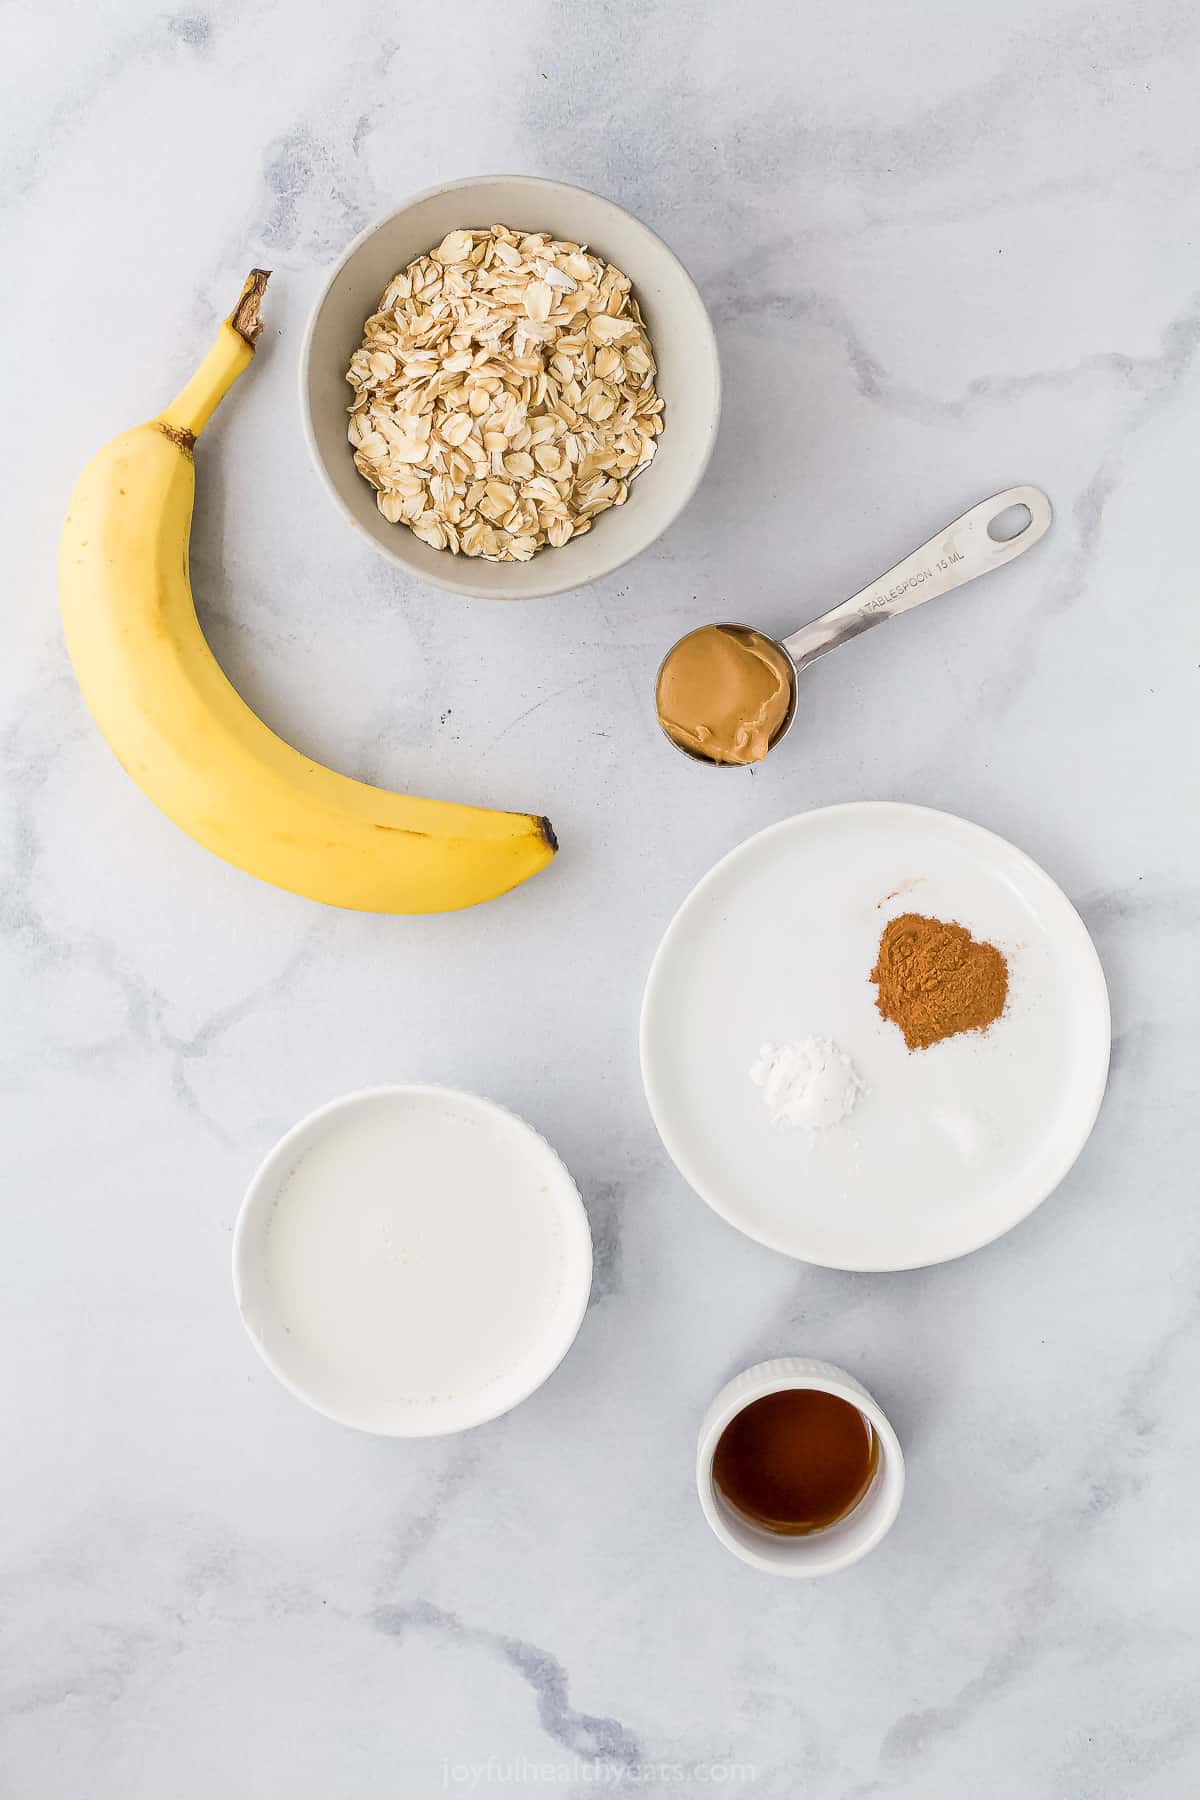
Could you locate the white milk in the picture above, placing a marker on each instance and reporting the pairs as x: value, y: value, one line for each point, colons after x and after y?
x: 421, y: 1262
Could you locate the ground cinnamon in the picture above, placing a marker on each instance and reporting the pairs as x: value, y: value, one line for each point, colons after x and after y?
x: 935, y: 979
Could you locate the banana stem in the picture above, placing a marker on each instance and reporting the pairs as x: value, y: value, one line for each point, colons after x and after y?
x: 230, y: 356
x: 245, y: 317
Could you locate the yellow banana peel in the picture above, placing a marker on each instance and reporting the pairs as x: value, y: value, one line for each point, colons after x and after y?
x: 183, y: 733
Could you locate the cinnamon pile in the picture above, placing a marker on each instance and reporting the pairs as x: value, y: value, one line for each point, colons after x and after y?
x: 935, y: 980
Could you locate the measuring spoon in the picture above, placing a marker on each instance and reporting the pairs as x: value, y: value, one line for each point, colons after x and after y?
x: 971, y: 546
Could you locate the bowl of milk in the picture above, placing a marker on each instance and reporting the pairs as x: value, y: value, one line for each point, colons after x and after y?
x: 412, y: 1260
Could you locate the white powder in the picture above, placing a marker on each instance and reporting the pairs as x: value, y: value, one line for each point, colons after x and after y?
x: 811, y: 1083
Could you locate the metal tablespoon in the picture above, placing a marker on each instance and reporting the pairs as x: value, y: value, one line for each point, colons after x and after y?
x: 957, y: 554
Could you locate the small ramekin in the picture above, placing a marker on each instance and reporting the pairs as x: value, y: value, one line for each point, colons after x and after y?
x: 819, y: 1552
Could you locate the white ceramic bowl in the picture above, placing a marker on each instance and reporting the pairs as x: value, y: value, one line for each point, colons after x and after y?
x: 412, y: 1260
x: 821, y: 1552
x: 679, y: 329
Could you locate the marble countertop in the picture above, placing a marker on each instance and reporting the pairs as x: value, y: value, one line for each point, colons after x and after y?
x: 944, y: 253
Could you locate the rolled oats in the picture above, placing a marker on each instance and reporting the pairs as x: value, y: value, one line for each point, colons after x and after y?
x: 504, y: 394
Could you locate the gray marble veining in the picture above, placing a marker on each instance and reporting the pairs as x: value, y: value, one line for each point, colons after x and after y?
x: 946, y: 249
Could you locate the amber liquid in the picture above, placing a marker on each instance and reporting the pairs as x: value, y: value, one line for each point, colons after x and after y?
x: 795, y: 1461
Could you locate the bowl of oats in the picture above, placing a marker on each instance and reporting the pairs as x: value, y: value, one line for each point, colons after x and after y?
x: 510, y: 386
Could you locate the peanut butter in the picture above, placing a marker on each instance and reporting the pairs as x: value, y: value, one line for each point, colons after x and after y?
x: 724, y: 693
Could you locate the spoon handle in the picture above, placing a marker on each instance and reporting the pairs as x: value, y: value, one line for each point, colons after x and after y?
x: 958, y: 553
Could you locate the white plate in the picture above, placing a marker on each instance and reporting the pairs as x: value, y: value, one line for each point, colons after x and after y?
x: 951, y: 1146
x: 412, y: 1260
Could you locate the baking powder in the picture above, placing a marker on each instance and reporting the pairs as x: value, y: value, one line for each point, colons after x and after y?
x: 810, y: 1083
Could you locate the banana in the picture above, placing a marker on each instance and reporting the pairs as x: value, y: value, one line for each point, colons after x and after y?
x: 180, y: 729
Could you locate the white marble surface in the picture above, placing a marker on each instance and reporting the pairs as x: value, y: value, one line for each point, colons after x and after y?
x: 947, y: 248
